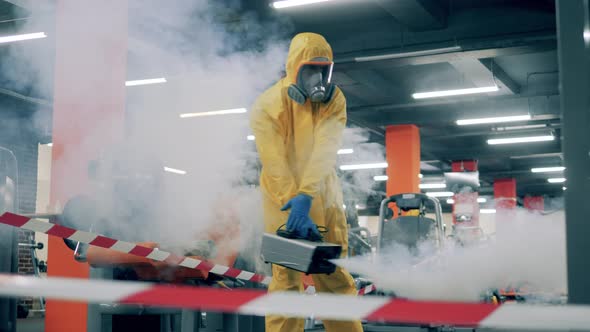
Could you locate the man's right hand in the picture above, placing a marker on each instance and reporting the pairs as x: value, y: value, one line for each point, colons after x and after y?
x: 299, y: 221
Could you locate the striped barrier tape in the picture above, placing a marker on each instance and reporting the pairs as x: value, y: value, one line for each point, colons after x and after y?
x: 367, y: 289
x: 326, y: 306
x: 128, y: 247
x: 133, y: 249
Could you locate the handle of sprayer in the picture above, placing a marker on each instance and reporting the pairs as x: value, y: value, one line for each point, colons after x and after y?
x: 283, y: 232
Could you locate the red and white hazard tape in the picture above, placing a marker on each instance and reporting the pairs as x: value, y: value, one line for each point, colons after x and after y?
x: 367, y: 289
x: 128, y: 247
x: 326, y: 306
x: 133, y: 249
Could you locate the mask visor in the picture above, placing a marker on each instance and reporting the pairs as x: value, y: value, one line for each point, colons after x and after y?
x: 314, y: 78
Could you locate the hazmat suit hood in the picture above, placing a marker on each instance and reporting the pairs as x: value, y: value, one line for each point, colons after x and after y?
x: 309, y: 69
x: 305, y: 47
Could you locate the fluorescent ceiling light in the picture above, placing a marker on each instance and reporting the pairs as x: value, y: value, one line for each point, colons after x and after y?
x: 538, y: 155
x: 586, y: 35
x: 556, y: 180
x: 487, y: 211
x: 380, y: 177
x: 146, y: 81
x: 293, y: 3
x: 407, y: 54
x: 175, y: 171
x: 513, y: 118
x: 363, y: 166
x: 250, y: 137
x: 27, y: 36
x: 458, y: 92
x: 564, y: 188
x: 420, y: 175
x: 512, y: 140
x: 533, y: 126
x: 360, y: 206
x: 440, y: 194
x: 345, y: 151
x: 450, y: 201
x: 432, y: 185
x: 547, y: 169
x: 222, y: 112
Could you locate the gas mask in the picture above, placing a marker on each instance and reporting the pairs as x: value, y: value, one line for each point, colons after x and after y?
x: 313, y: 82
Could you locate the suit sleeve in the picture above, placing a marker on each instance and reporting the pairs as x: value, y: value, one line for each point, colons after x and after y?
x: 277, y: 179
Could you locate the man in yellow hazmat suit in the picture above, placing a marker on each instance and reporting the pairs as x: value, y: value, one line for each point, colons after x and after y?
x: 298, y: 126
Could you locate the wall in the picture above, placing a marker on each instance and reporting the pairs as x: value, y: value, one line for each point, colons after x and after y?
x: 18, y: 135
x: 43, y: 183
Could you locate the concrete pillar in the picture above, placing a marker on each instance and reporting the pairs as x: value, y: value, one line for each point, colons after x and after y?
x: 573, y: 27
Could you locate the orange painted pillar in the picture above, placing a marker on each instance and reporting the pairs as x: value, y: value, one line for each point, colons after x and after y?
x: 534, y: 203
x: 402, y: 149
x: 505, y: 193
x: 464, y: 166
x: 465, y: 202
x: 505, y: 199
x: 89, y: 105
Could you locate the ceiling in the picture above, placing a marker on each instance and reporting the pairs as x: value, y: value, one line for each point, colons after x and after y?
x: 510, y: 43
x: 476, y: 43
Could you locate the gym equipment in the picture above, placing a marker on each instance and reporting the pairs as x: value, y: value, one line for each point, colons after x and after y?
x: 409, y: 230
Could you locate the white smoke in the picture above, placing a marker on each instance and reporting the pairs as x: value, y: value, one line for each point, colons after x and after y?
x: 214, y: 57
x: 207, y: 69
x: 24, y: 65
x: 359, y: 185
x: 528, y: 250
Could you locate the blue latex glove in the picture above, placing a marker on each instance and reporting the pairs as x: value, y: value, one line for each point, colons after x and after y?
x: 299, y: 221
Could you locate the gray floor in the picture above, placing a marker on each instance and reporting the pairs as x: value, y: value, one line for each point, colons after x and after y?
x: 36, y: 324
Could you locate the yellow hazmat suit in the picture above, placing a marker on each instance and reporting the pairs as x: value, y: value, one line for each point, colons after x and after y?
x: 297, y: 145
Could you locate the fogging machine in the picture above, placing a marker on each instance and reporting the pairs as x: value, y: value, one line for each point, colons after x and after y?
x: 307, y: 256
